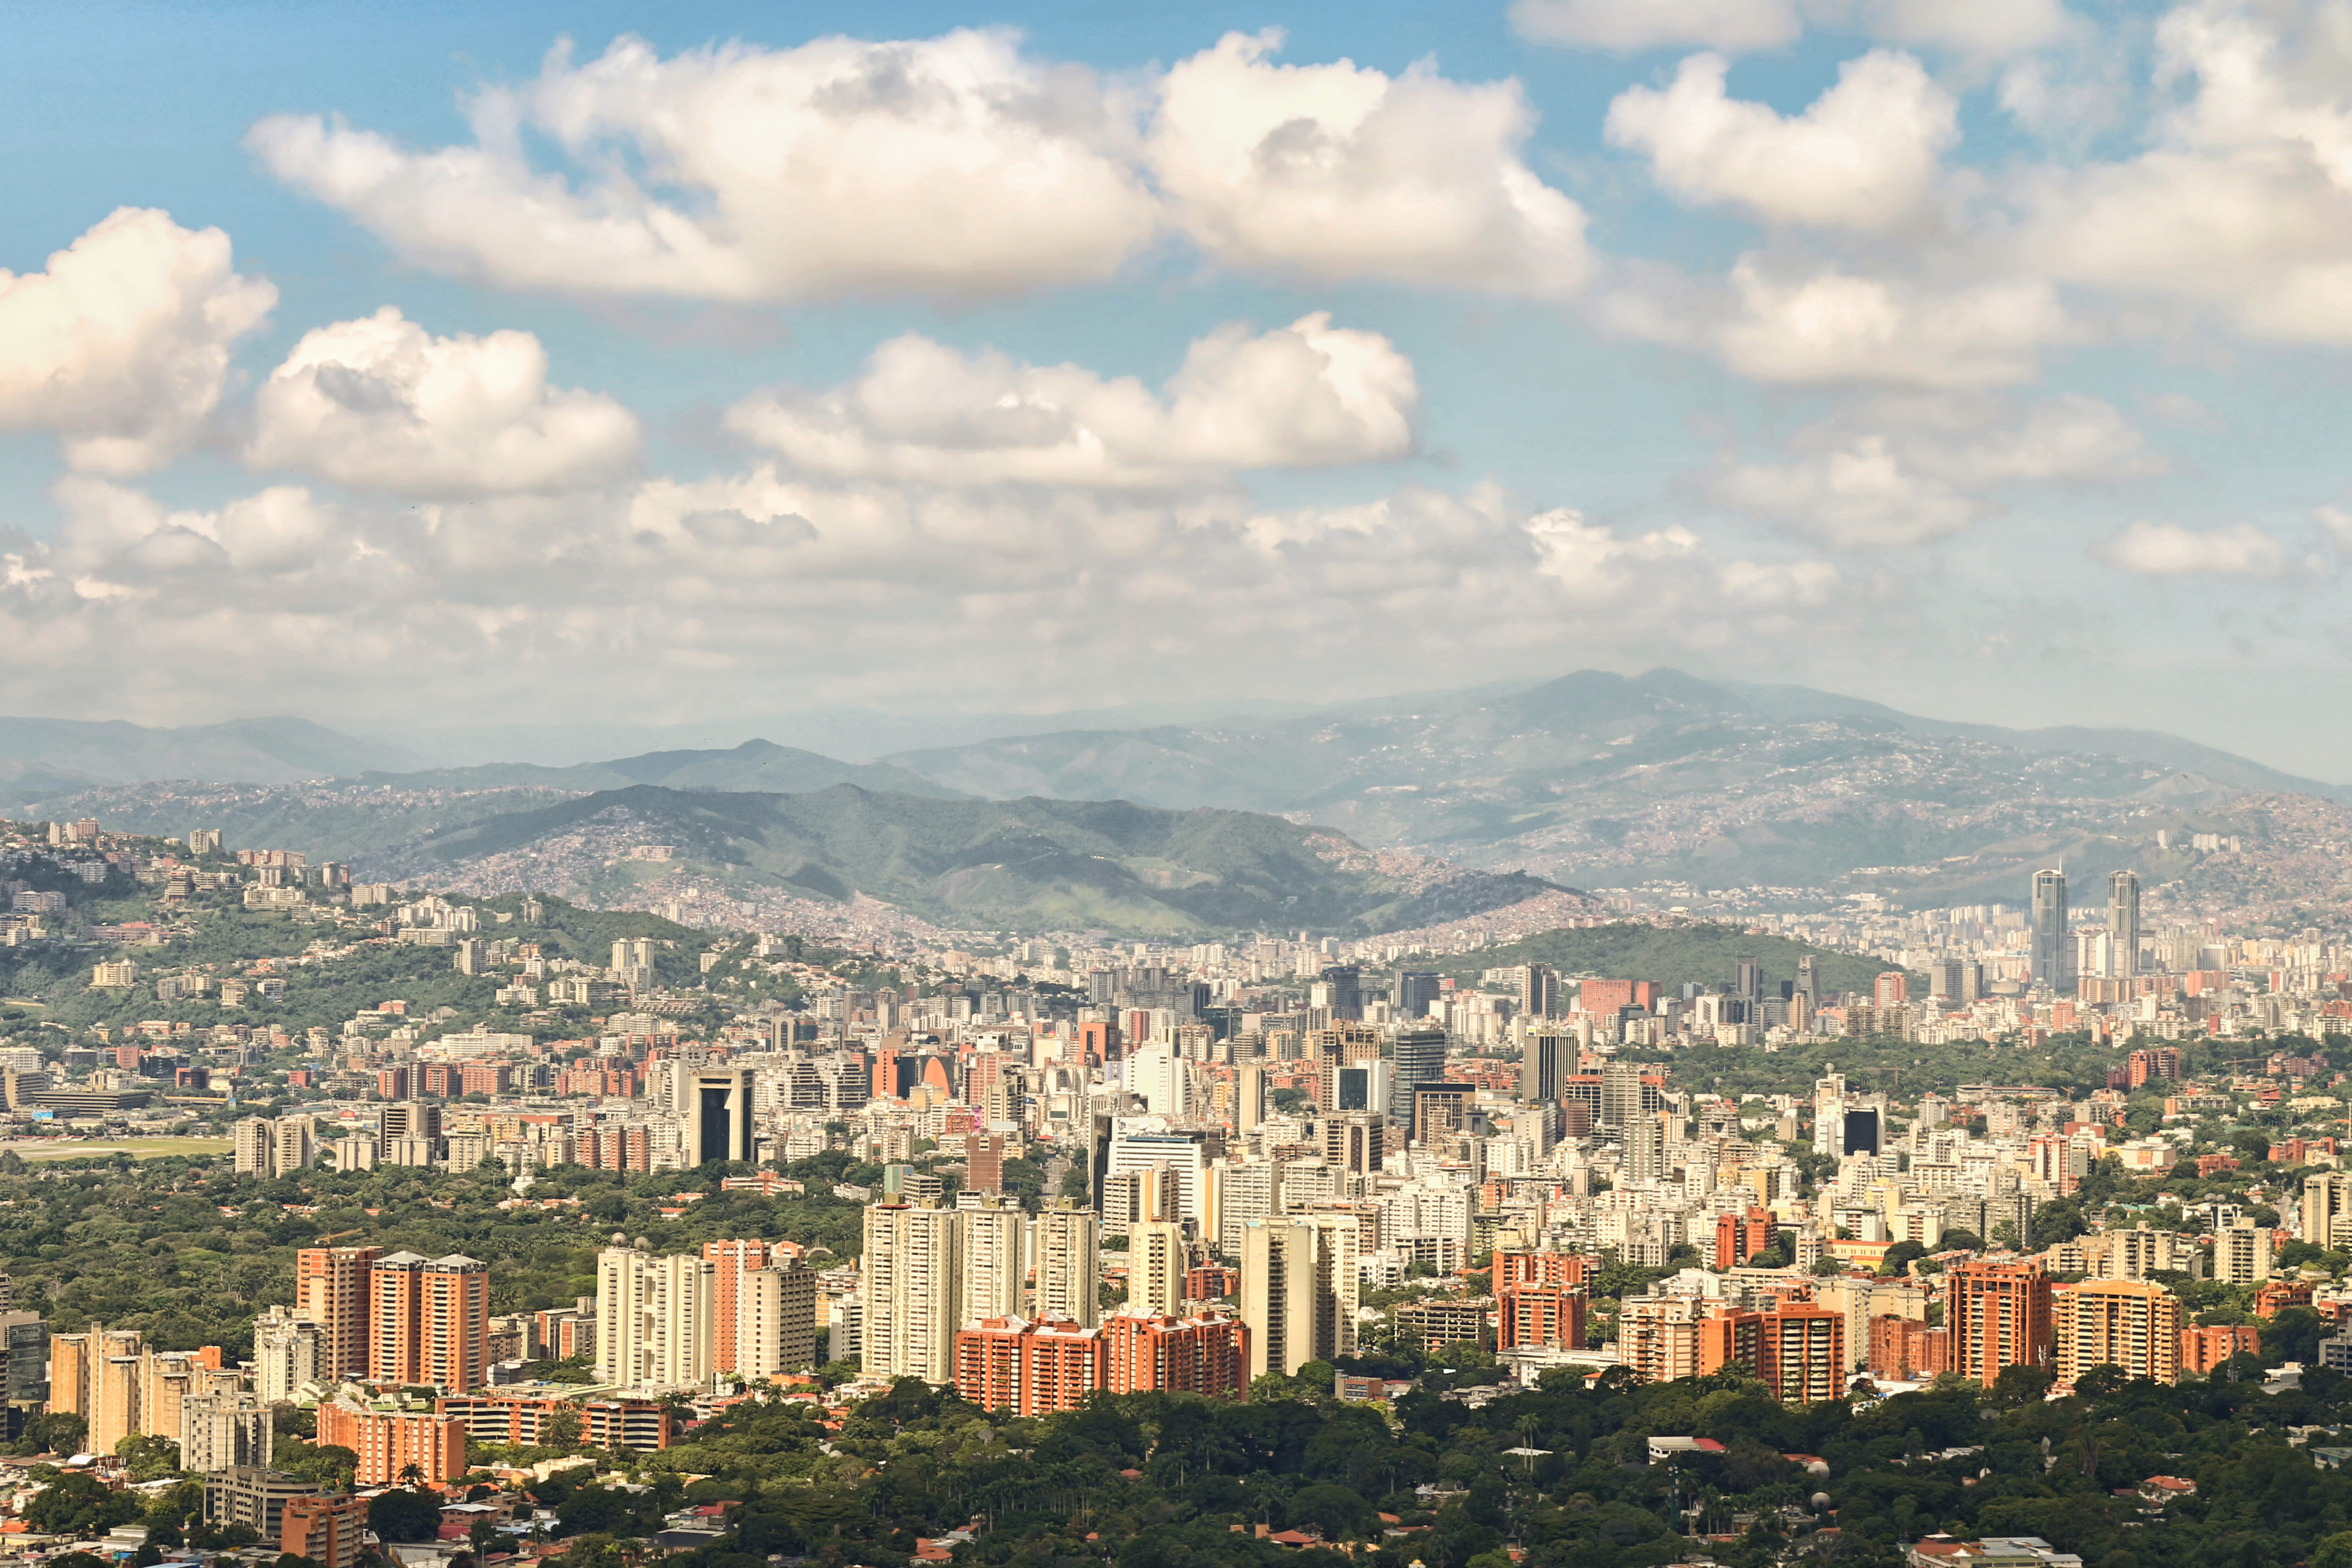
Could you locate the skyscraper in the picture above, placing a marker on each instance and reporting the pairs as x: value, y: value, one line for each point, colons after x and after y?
x: 1621, y: 1096
x: 775, y: 1319
x: 1279, y: 1269
x: 1416, y: 990
x: 2054, y: 949
x: 1809, y: 980
x: 1156, y: 1261
x: 429, y: 1320
x: 719, y: 1122
x: 729, y: 1262
x: 1540, y: 1052
x: 911, y: 1292
x: 656, y: 1319
x: 1999, y: 1315
x: 331, y: 1290
x: 1539, y: 991
x: 1064, y: 1245
x: 2123, y: 923
x: 1419, y: 1058
x: 2124, y: 1323
x: 990, y: 1271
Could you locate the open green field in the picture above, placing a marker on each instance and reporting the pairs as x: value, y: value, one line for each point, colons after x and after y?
x: 139, y: 1148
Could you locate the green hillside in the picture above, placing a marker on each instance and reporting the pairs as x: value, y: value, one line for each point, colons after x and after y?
x: 1035, y: 865
x: 1670, y: 955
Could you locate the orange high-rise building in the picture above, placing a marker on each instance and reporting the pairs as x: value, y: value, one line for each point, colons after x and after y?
x: 1550, y: 1315
x: 731, y: 1261
x: 2126, y: 1323
x: 331, y: 1290
x: 429, y: 1322
x: 1801, y: 1352
x: 1905, y: 1349
x: 1740, y: 1236
x: 1998, y: 1314
x: 2204, y: 1350
x: 1543, y: 1269
x: 1025, y: 1368
x: 325, y: 1530
x: 1154, y: 1354
x: 389, y: 1441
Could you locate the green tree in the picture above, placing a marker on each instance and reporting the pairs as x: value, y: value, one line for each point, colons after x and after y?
x: 405, y: 1513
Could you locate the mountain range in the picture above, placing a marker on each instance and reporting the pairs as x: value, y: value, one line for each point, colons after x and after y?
x: 1593, y: 780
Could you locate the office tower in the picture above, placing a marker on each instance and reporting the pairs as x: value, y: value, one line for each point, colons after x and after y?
x: 1542, y: 1052
x: 654, y: 1319
x: 1419, y: 1058
x: 1347, y: 984
x: 775, y: 1327
x: 1645, y: 1150
x: 2242, y: 1253
x: 1354, y: 1143
x: 1539, y: 991
x: 911, y: 1272
x: 2054, y: 949
x: 1416, y: 990
x: 1162, y: 1080
x: 1999, y: 1315
x: 1156, y: 1262
x: 429, y: 1322
x: 729, y: 1262
x: 1360, y: 1086
x: 1749, y: 980
x: 1068, y: 1240
x: 721, y: 1122
x: 2123, y: 923
x: 331, y: 1290
x: 990, y: 1271
x: 2121, y: 1323
x: 1182, y: 1155
x: 286, y: 1352
x: 1279, y: 1258
x: 1621, y: 1096
x: 1809, y: 980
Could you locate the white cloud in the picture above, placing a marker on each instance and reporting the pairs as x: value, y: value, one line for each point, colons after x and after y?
x: 1860, y: 494
x: 381, y: 403
x: 1629, y: 25
x: 121, y: 346
x: 2165, y: 549
x: 1830, y: 326
x: 1304, y: 395
x: 2244, y: 200
x: 1985, y: 28
x: 1863, y: 156
x: 954, y: 165
x: 1338, y: 171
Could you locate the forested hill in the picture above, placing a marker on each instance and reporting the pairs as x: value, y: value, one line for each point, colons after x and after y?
x: 1672, y: 955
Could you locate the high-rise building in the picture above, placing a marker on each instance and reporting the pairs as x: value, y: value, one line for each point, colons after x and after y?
x: 729, y: 1262
x: 429, y: 1322
x: 2054, y: 949
x: 1416, y: 990
x: 912, y: 1275
x: 1621, y: 1096
x: 1539, y: 1314
x: 331, y: 1290
x: 221, y: 1430
x: 1279, y: 1267
x: 2326, y: 1206
x: 1249, y: 1099
x: 1419, y: 1058
x: 286, y: 1353
x: 1347, y: 984
x: 775, y: 1319
x: 1645, y: 1150
x: 1065, y: 1243
x: 656, y: 1319
x: 2242, y: 1253
x: 2123, y: 923
x: 1801, y: 1352
x: 1539, y: 991
x: 1167, y: 1355
x: 1749, y: 980
x: 1544, y: 1059
x: 1998, y: 1314
x: 256, y: 1147
x: 1025, y: 1367
x: 990, y: 1271
x: 1156, y: 1263
x: 722, y: 1121
x: 2130, y: 1324
x: 1354, y: 1143
x: 1809, y: 980
x: 1339, y: 1282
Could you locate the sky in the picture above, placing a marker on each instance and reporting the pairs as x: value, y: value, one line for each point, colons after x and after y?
x: 437, y: 366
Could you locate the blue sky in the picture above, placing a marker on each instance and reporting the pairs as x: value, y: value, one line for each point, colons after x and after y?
x: 1984, y: 360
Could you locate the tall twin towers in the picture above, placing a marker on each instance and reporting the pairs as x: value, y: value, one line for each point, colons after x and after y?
x: 2056, y: 961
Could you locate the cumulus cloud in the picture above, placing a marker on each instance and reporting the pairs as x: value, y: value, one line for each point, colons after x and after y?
x: 1984, y: 29
x: 2244, y: 200
x: 1830, y: 325
x: 2165, y: 549
x: 1862, y: 157
x: 954, y: 165
x: 1304, y: 395
x: 1338, y: 171
x: 1862, y: 494
x: 121, y: 345
x: 911, y: 592
x: 1629, y: 25
x: 381, y: 403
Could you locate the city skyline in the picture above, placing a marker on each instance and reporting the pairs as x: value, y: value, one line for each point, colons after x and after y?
x: 1872, y: 346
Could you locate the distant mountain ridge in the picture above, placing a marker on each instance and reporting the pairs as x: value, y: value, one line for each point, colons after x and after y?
x: 760, y: 765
